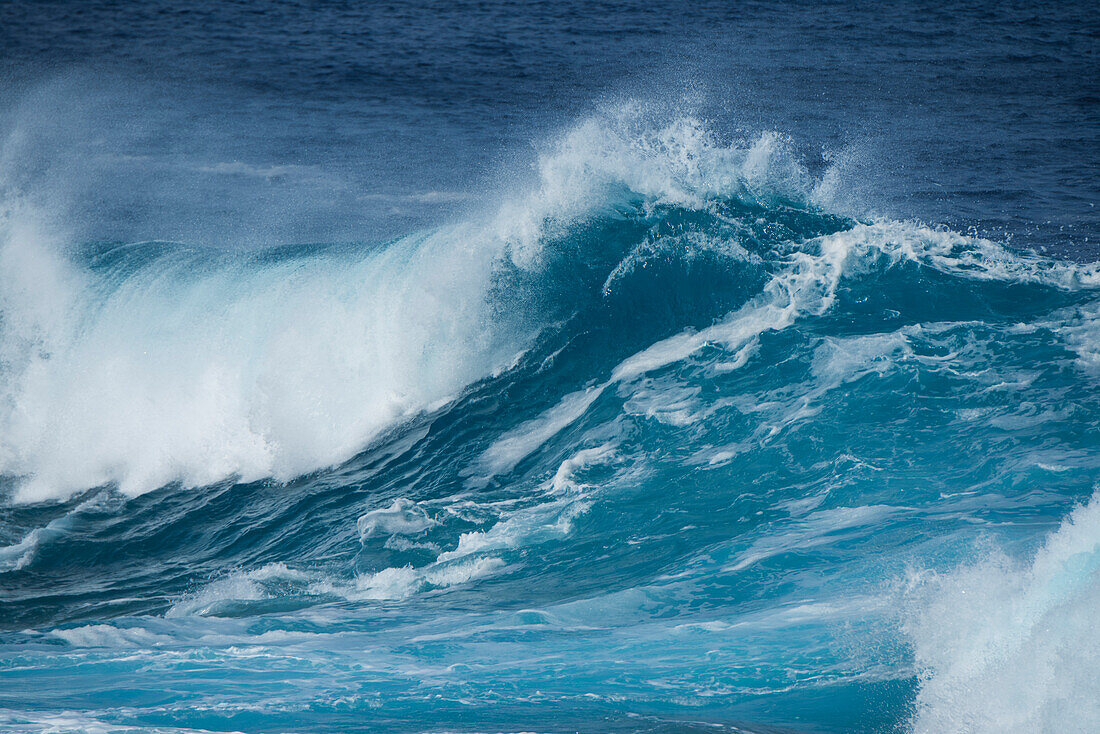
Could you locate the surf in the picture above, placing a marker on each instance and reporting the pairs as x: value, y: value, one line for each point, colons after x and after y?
x: 670, y: 430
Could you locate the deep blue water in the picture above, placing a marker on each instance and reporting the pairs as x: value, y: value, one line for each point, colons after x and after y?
x: 566, y: 367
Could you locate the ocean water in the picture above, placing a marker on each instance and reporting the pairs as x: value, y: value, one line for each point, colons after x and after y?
x: 572, y: 368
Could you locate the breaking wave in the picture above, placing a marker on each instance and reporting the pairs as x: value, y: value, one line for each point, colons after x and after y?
x: 670, y: 429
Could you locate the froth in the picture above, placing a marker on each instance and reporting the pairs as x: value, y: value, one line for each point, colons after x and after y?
x: 1005, y: 646
x: 623, y: 156
x: 188, y: 366
x: 202, y: 368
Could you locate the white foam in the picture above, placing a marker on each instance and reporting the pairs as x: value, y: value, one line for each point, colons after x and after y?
x: 564, y: 500
x: 237, y: 587
x: 403, y: 517
x: 103, y: 635
x: 1009, y: 646
x: 398, y: 583
x: 19, y: 555
x: 553, y: 519
x: 564, y: 480
x: 71, y: 722
x: 519, y: 443
x: 200, y: 368
x: 1081, y: 330
x: 204, y: 367
x: 844, y: 359
x: 240, y: 370
x: 623, y: 152
x: 667, y: 402
x: 478, y: 554
x: 807, y: 286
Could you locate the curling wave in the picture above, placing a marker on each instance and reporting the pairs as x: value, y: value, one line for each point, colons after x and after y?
x: 671, y: 433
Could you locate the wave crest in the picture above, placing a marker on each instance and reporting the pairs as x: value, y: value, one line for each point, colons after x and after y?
x: 143, y: 365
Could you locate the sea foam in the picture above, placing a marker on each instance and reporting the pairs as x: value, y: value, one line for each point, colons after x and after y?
x: 1013, y: 646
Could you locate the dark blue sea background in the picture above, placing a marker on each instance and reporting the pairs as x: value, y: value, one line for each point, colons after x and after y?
x: 549, y: 367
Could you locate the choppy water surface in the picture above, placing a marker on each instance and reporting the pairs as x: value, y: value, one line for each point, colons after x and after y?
x: 708, y: 419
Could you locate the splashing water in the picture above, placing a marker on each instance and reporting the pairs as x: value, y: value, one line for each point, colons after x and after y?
x: 665, y: 443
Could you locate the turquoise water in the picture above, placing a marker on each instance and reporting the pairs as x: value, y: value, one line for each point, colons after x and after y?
x: 668, y: 440
x: 562, y: 367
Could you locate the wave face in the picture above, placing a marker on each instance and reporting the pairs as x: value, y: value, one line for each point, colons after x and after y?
x: 671, y: 442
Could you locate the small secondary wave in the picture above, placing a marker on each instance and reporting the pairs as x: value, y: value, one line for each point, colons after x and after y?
x: 1010, y: 646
